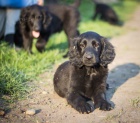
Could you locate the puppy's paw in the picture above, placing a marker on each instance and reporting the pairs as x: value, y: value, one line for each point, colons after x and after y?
x: 106, y: 106
x: 84, y: 107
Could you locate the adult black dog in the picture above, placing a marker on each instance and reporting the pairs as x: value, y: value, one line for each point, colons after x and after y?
x: 41, y: 22
x: 65, y: 18
x: 106, y: 13
x: 83, y: 78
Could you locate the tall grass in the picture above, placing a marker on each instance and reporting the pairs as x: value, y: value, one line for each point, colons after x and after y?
x: 17, y: 68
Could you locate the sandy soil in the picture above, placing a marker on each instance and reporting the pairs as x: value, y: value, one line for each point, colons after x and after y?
x: 124, y: 92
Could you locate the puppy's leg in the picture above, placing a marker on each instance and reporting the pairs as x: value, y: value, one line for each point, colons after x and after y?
x: 40, y: 44
x: 100, y: 99
x: 27, y: 44
x: 79, y: 103
x: 70, y: 32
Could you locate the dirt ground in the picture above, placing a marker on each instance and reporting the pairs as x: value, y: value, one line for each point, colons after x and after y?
x: 124, y: 91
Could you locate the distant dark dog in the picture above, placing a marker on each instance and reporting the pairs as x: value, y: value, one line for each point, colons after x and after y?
x: 83, y: 78
x: 105, y: 13
x: 41, y: 22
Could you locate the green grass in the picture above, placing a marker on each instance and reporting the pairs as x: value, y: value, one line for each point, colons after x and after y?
x: 17, y: 68
x: 112, y: 117
x: 135, y: 102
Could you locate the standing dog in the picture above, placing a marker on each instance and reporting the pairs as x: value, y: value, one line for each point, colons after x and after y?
x: 83, y: 78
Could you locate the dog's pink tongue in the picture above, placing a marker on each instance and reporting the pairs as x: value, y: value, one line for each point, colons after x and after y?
x: 35, y: 34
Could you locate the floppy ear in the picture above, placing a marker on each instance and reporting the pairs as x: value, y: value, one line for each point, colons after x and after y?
x: 24, y: 16
x: 46, y: 18
x: 74, y: 53
x: 107, y: 53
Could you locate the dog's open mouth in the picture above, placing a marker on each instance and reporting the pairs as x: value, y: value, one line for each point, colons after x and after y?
x: 35, y: 34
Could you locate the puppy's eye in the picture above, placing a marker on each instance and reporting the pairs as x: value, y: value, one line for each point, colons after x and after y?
x: 82, y: 45
x: 39, y: 17
x: 96, y: 45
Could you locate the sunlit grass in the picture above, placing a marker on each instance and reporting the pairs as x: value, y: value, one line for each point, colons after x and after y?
x: 16, y: 68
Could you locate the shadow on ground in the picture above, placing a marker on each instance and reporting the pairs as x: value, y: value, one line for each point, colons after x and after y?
x: 119, y: 75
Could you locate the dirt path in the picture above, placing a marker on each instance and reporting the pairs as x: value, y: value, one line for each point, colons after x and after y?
x: 124, y: 94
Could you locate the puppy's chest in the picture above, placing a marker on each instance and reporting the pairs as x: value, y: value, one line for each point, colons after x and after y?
x: 92, y: 80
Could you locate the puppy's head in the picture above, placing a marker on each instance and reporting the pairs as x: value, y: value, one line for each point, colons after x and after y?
x: 90, y: 49
x: 35, y: 18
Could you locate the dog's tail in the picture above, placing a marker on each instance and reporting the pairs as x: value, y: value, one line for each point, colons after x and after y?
x: 76, y: 4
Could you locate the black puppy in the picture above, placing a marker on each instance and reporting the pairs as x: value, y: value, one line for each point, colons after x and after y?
x: 105, y: 13
x: 83, y: 78
x: 33, y: 23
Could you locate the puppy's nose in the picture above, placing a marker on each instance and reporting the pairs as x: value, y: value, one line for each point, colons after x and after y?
x: 37, y: 28
x: 88, y: 56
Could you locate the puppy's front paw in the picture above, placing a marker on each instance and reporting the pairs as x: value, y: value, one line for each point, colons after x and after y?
x: 106, y: 106
x: 84, y: 107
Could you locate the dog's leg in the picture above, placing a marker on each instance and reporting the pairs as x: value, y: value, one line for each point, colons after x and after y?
x: 100, y: 100
x: 95, y: 15
x: 40, y: 44
x: 70, y: 32
x: 27, y: 44
x: 70, y: 25
x: 79, y: 103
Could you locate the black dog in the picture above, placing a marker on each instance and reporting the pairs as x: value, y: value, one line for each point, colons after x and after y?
x: 65, y: 18
x: 41, y: 22
x: 106, y: 13
x: 83, y: 78
x: 33, y: 23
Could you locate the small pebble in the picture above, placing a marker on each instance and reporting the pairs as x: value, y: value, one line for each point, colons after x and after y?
x: 2, y: 112
x: 30, y: 112
x: 44, y: 92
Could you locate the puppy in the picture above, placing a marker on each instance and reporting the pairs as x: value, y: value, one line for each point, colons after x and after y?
x: 84, y: 76
x: 33, y: 23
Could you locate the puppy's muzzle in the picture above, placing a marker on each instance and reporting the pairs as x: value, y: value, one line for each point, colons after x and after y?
x: 89, y: 59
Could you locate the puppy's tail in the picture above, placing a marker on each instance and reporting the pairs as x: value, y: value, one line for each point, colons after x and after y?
x: 76, y: 4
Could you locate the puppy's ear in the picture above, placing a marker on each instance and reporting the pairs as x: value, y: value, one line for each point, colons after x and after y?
x: 46, y: 18
x: 107, y: 53
x: 24, y: 16
x: 74, y: 52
